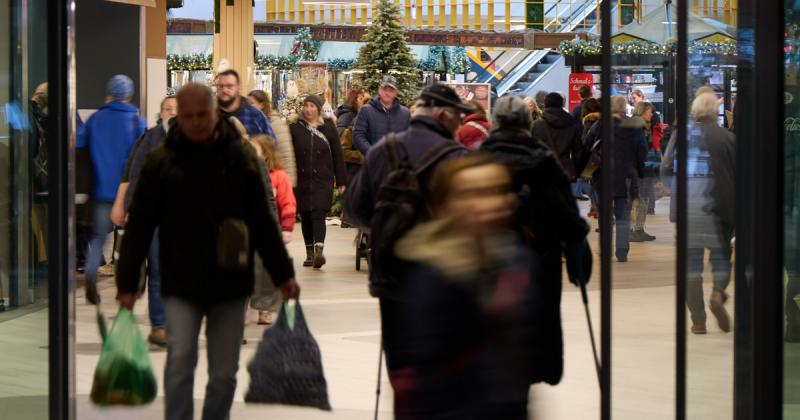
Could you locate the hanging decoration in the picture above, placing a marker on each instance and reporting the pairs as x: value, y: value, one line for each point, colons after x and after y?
x: 305, y: 47
x: 291, y: 106
x: 583, y: 48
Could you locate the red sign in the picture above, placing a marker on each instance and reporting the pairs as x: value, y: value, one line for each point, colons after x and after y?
x: 576, y: 80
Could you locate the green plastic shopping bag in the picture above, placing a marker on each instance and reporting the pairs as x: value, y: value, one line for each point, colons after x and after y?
x: 123, y: 375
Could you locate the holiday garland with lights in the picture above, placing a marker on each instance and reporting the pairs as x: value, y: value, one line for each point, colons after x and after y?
x: 190, y: 62
x: 582, y: 48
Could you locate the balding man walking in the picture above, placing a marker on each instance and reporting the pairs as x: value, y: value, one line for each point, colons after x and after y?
x: 206, y: 194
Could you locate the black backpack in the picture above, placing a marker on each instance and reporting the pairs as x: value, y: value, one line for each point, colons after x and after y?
x: 400, y: 205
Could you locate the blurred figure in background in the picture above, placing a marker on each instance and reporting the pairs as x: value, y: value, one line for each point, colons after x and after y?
x: 647, y: 184
x: 539, y: 98
x: 557, y: 130
x: 283, y: 139
x: 590, y: 115
x: 109, y: 134
x: 151, y: 139
x: 266, y: 298
x: 711, y: 194
x: 547, y: 219
x: 475, y: 128
x: 467, y: 347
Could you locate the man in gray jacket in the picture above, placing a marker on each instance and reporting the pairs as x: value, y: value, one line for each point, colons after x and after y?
x: 382, y: 115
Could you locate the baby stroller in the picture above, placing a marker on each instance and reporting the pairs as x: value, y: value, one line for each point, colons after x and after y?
x: 362, y: 248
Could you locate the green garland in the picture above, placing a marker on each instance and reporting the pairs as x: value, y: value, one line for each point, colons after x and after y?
x: 305, y: 47
x: 190, y: 62
x: 457, y: 60
x: 266, y: 62
x: 341, y: 64
x: 583, y: 48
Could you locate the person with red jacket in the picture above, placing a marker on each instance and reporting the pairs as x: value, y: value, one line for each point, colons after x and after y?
x: 266, y: 298
x: 475, y: 128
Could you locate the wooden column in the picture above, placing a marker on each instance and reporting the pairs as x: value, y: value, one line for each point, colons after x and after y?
x: 716, y: 9
x: 490, y: 15
x: 407, y: 16
x: 431, y: 14
x: 270, y: 10
x: 508, y: 15
x: 418, y: 11
x: 453, y: 14
x: 353, y: 15
x: 154, y: 78
x: 465, y: 14
x: 282, y: 10
x: 696, y: 6
x: 705, y: 8
x: 442, y: 14
x: 234, y: 42
x: 476, y: 15
x: 364, y: 15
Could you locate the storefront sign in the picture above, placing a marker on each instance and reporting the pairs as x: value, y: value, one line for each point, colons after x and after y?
x: 576, y: 80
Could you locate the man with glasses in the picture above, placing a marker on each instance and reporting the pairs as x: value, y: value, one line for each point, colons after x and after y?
x: 231, y: 104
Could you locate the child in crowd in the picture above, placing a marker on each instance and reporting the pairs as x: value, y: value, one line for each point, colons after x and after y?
x: 266, y: 297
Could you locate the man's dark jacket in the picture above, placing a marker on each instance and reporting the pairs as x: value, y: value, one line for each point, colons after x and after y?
x: 549, y: 218
x: 630, y: 152
x: 557, y: 129
x: 187, y: 190
x: 374, y: 121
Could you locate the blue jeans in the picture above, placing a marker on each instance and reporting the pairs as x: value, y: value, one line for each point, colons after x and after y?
x: 581, y: 187
x: 155, y: 303
x: 622, y: 220
x: 101, y: 227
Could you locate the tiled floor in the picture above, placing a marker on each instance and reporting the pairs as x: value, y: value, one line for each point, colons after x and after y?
x: 345, y: 321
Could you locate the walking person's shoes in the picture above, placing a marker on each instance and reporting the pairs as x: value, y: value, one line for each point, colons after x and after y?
x: 717, y: 305
x: 319, y: 257
x: 264, y: 317
x: 158, y: 336
x: 92, y: 297
x: 641, y: 236
x: 309, y: 256
x: 699, y: 328
x: 106, y: 270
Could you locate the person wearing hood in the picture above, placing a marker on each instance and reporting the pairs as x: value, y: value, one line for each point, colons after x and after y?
x: 320, y: 166
x: 547, y: 218
x: 384, y: 114
x: 558, y: 131
x: 475, y: 129
x: 232, y: 104
x: 109, y: 134
x: 151, y: 139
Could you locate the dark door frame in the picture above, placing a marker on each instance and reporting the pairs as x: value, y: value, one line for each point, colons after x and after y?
x: 60, y: 144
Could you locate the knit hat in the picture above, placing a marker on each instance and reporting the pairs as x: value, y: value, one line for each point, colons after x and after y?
x: 120, y: 87
x: 316, y: 100
x: 512, y: 112
x: 554, y: 100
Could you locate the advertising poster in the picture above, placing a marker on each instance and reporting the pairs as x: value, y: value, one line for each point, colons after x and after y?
x: 576, y: 80
x: 480, y: 92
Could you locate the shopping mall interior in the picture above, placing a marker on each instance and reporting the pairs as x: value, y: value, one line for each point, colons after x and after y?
x: 631, y: 346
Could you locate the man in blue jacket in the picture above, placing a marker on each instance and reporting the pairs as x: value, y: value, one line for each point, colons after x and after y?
x: 231, y: 104
x: 382, y: 115
x: 109, y: 135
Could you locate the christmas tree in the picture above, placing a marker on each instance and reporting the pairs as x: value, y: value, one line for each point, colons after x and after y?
x: 386, y: 53
x: 305, y: 47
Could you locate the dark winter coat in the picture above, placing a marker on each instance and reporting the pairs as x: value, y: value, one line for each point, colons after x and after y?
x: 151, y: 139
x: 711, y: 183
x: 320, y: 164
x: 549, y: 217
x: 630, y: 152
x: 187, y: 191
x: 345, y: 117
x: 557, y: 129
x: 473, y: 132
x: 374, y: 121
x: 423, y: 134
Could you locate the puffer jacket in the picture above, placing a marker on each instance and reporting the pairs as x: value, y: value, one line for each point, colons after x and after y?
x: 374, y: 121
x: 283, y: 138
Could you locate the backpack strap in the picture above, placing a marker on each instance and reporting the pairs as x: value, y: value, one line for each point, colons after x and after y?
x: 390, y: 148
x: 436, y: 154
